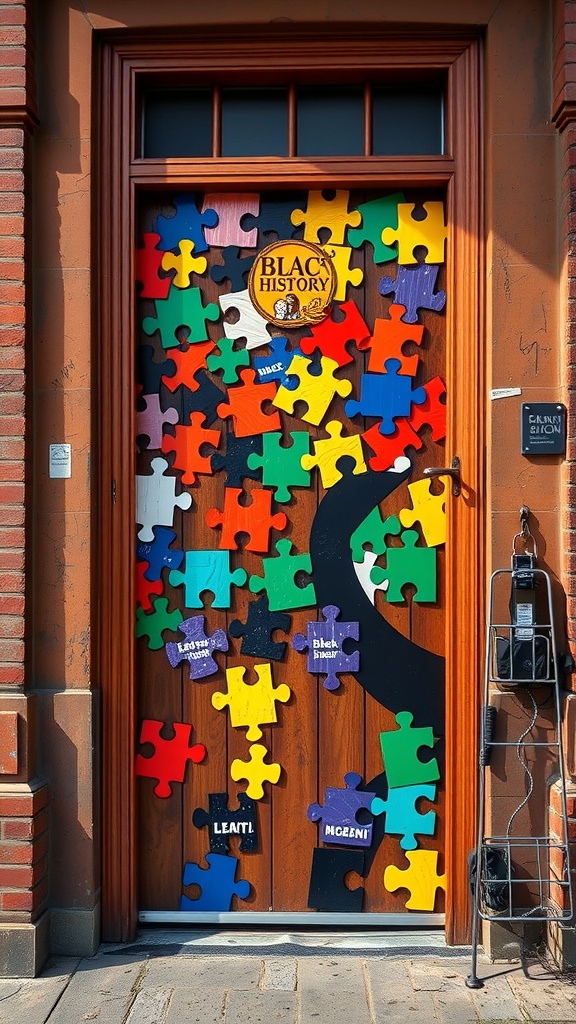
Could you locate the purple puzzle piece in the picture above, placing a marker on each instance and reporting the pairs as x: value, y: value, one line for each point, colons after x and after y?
x: 188, y: 222
x: 339, y: 822
x: 197, y: 648
x: 386, y: 395
x: 414, y: 288
x: 151, y: 421
x: 158, y: 553
x: 324, y: 643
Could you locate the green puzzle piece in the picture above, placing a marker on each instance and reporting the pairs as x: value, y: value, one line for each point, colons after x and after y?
x: 154, y: 623
x: 373, y: 530
x: 229, y: 360
x: 400, y: 753
x: 182, y: 308
x: 281, y: 466
x: 377, y: 215
x: 409, y: 564
x: 278, y: 580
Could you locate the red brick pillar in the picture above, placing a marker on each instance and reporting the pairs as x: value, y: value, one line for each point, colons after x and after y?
x: 23, y: 797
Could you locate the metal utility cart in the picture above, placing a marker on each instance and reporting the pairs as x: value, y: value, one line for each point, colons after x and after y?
x: 520, y: 870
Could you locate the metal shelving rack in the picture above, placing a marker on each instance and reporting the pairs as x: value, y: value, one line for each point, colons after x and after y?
x: 519, y: 877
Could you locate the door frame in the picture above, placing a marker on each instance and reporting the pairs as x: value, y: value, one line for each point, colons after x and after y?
x: 123, y: 62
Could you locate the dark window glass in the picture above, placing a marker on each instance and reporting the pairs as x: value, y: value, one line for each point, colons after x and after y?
x: 177, y: 123
x: 406, y: 123
x: 330, y: 121
x: 254, y: 122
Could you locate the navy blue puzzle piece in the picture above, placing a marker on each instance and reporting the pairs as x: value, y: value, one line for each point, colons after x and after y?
x: 257, y: 631
x: 274, y: 218
x: 223, y: 822
x: 188, y: 222
x: 234, y: 461
x: 149, y: 373
x: 205, y: 399
x: 234, y: 269
x: 159, y: 554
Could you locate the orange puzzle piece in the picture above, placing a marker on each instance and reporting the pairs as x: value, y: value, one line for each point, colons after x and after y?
x: 187, y: 362
x: 388, y: 340
x: 245, y: 402
x: 254, y: 519
x: 187, y: 444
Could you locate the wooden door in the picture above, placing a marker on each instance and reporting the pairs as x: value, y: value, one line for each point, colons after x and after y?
x: 355, y: 524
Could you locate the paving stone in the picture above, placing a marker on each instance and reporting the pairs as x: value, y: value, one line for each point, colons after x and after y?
x: 193, y: 1006
x: 454, y: 1006
x: 102, y: 989
x: 150, y: 1006
x: 392, y: 994
x: 30, y: 1001
x: 341, y: 974
x: 495, y: 1001
x: 201, y: 972
x: 265, y: 1008
x: 279, y: 974
x: 544, y: 998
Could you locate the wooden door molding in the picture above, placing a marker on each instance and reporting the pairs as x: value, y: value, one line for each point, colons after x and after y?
x: 122, y: 62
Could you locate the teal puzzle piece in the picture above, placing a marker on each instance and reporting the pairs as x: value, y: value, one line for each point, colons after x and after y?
x: 400, y: 753
x: 207, y: 570
x: 278, y: 581
x: 182, y: 309
x: 402, y: 817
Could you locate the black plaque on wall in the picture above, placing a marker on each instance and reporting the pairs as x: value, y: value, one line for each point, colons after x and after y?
x: 543, y: 428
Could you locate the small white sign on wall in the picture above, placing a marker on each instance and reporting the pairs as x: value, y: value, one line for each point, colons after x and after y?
x: 60, y: 460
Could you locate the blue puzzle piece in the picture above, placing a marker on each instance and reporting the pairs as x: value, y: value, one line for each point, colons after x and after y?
x: 339, y: 814
x: 158, y: 553
x: 207, y: 570
x: 197, y: 648
x: 274, y: 217
x: 324, y: 643
x: 217, y: 884
x: 234, y: 269
x: 414, y: 289
x: 188, y: 222
x: 275, y: 365
x: 149, y: 372
x: 402, y: 818
x: 386, y: 395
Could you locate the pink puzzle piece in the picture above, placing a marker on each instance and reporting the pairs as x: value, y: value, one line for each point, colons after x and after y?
x: 230, y: 209
x: 150, y: 422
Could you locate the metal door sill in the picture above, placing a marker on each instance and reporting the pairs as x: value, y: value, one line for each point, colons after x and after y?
x: 248, y: 918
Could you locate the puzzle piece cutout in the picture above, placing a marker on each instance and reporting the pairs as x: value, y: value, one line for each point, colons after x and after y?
x: 246, y: 406
x: 257, y: 631
x: 187, y: 223
x: 150, y: 421
x: 275, y: 365
x: 150, y: 374
x: 235, y: 459
x: 427, y: 509
x: 410, y: 233
x: 251, y: 704
x: 339, y: 813
x: 282, y: 467
x: 250, y: 324
x: 205, y: 399
x: 158, y: 554
x: 402, y: 817
x: 377, y: 214
x: 331, y: 336
x: 234, y: 269
x: 197, y: 648
x: 223, y: 823
x: 327, y: 453
x: 345, y: 274
x: 144, y: 587
x: 231, y: 209
x: 421, y: 879
x: 229, y: 359
x: 156, y: 499
x: 414, y: 289
x: 255, y: 519
x: 332, y: 214
x: 386, y: 395
x: 279, y: 579
x: 255, y: 771
x: 316, y: 390
x: 373, y: 530
x: 186, y: 362
x: 183, y: 309
x: 170, y: 759
x: 328, y: 890
x: 387, y: 447
x: 400, y: 753
x: 186, y: 444
x: 388, y: 339
x: 324, y: 642
x: 147, y: 263
x: 408, y: 564
x: 207, y: 570
x: 154, y: 623
x: 363, y: 571
x: 184, y: 263
x: 217, y: 884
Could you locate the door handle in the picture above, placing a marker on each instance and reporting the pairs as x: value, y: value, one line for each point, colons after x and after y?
x: 453, y: 471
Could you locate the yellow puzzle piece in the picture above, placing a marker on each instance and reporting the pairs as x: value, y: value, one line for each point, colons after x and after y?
x: 427, y: 509
x: 255, y: 771
x: 345, y: 275
x: 327, y: 453
x: 326, y: 213
x: 251, y: 704
x: 420, y: 879
x: 317, y: 391
x: 431, y: 232
x: 184, y: 264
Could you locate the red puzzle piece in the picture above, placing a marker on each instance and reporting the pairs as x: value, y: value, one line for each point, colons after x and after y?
x: 387, y: 341
x: 245, y: 403
x: 144, y: 588
x: 331, y: 337
x: 170, y: 758
x: 254, y: 519
x: 432, y: 412
x: 187, y: 444
x: 147, y: 263
x: 187, y: 361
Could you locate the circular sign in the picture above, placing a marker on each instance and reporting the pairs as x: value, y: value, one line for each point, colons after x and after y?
x: 292, y: 283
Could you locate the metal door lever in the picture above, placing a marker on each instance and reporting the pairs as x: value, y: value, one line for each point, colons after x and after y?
x: 453, y: 471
